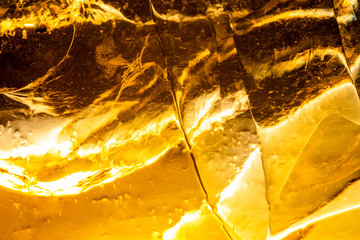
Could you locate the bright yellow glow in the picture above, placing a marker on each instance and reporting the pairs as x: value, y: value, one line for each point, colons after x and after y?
x: 248, y: 171
x: 248, y: 215
x: 65, y: 141
x: 346, y: 201
x: 279, y: 159
x: 71, y: 184
x: 189, y: 217
x: 60, y: 149
x: 346, y: 11
x: 302, y: 13
x: 59, y: 142
x: 355, y: 67
x: 54, y: 146
x: 204, y: 118
x: 178, y: 17
x: 70, y: 13
x: 34, y: 103
x: 278, y: 69
x: 307, y: 107
x: 301, y: 124
x: 309, y: 222
x: 201, y: 224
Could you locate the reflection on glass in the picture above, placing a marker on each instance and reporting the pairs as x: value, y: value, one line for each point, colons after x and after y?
x: 178, y: 119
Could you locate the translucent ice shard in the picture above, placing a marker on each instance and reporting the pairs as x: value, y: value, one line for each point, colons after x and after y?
x: 141, y: 119
x: 94, y: 93
x: 304, y: 102
x: 211, y: 102
x: 196, y: 225
x: 95, y: 90
x: 248, y: 215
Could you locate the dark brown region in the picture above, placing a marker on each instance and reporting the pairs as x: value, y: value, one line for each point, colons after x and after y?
x: 81, y: 77
x: 259, y: 8
x: 274, y: 96
x: 300, y: 34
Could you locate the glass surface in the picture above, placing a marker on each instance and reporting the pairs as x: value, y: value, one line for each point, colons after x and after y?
x: 179, y: 119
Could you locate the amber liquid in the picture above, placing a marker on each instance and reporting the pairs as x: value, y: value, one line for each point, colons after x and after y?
x: 151, y: 120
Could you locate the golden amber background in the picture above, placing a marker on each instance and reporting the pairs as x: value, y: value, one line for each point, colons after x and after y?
x: 169, y: 119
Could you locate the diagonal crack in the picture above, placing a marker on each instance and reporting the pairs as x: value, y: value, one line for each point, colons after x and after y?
x: 171, y: 81
x: 342, y: 42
